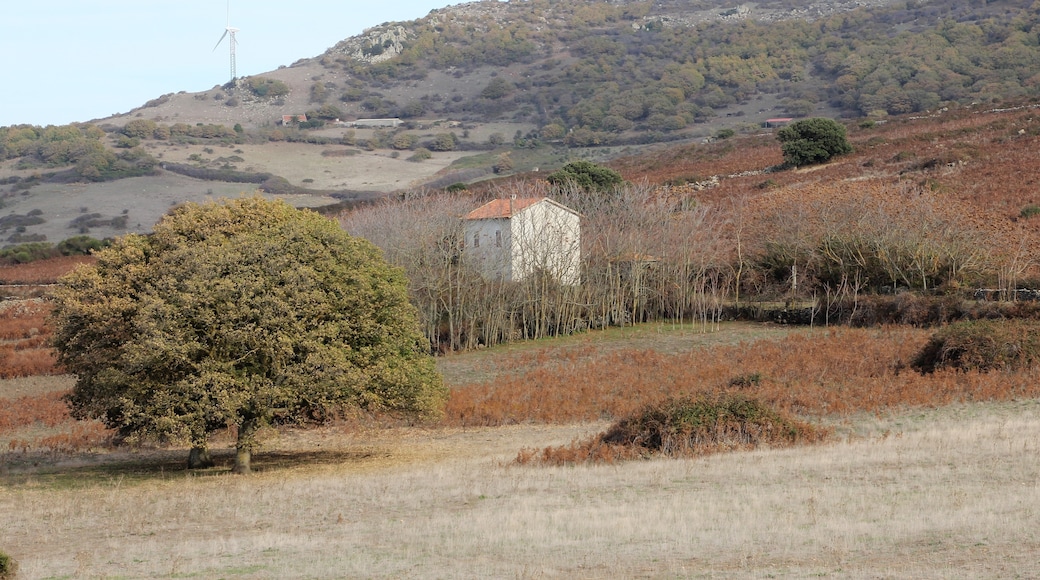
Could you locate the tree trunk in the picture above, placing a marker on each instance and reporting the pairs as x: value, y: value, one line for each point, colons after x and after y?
x: 243, y: 456
x: 199, y: 458
x: 244, y: 446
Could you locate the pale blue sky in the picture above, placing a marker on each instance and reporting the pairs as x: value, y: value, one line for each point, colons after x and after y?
x: 66, y: 61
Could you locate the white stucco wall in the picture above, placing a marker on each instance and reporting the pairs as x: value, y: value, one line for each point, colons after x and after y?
x: 492, y: 258
x: 545, y: 236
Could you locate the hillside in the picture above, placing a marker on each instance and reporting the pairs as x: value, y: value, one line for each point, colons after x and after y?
x: 492, y: 88
x: 632, y: 72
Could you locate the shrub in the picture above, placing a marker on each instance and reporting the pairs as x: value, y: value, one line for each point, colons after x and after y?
x: 27, y: 252
x: 1029, y: 211
x: 421, y: 154
x: 8, y: 567
x: 687, y: 427
x: 982, y: 345
x: 80, y: 246
x: 444, y: 142
x: 707, y: 423
x: 265, y: 87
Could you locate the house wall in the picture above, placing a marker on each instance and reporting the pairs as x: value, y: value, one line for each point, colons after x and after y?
x: 546, y: 237
x: 491, y: 254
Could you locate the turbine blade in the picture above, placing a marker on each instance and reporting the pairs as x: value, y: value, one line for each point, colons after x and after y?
x: 221, y: 40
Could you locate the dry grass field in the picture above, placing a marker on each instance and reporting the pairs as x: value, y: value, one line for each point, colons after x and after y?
x: 924, y: 477
x: 948, y: 493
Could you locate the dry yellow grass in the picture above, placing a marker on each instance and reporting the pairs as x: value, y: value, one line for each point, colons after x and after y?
x: 932, y: 494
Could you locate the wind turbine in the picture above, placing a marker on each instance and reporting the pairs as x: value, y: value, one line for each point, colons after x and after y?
x: 229, y: 31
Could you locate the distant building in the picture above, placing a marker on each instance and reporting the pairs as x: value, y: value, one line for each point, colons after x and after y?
x: 370, y: 123
x: 778, y: 122
x: 510, y: 239
x: 290, y: 119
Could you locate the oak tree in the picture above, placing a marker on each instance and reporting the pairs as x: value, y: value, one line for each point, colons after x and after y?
x: 812, y: 141
x: 240, y: 314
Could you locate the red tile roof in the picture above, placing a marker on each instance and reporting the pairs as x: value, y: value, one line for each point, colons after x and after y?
x: 502, y: 208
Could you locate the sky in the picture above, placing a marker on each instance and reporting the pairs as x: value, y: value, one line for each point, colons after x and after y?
x: 64, y: 61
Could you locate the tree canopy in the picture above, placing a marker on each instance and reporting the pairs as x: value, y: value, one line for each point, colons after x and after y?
x: 240, y: 313
x: 812, y: 141
x: 586, y: 175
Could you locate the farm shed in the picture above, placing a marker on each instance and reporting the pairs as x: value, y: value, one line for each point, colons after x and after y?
x: 512, y: 238
x: 370, y: 123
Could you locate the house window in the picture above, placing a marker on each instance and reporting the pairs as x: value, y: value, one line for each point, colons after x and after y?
x: 476, y: 240
x: 498, y: 239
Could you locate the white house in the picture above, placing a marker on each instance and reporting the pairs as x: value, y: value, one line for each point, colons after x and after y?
x: 512, y: 238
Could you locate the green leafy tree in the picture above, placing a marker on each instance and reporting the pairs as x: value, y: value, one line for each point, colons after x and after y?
x: 586, y: 175
x: 496, y: 89
x: 553, y: 131
x: 403, y: 141
x: 140, y: 128
x: 318, y: 93
x: 812, y: 141
x: 503, y: 164
x: 241, y: 313
x: 265, y: 87
x: 444, y: 142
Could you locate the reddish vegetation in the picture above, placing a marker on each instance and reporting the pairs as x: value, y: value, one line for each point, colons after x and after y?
x: 24, y: 336
x: 832, y: 373
x: 974, y: 159
x: 41, y: 271
x: 49, y: 410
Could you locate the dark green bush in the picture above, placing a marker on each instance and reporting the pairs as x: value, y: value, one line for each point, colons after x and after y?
x: 586, y: 175
x: 27, y: 252
x: 982, y: 345
x: 812, y: 141
x: 80, y: 245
